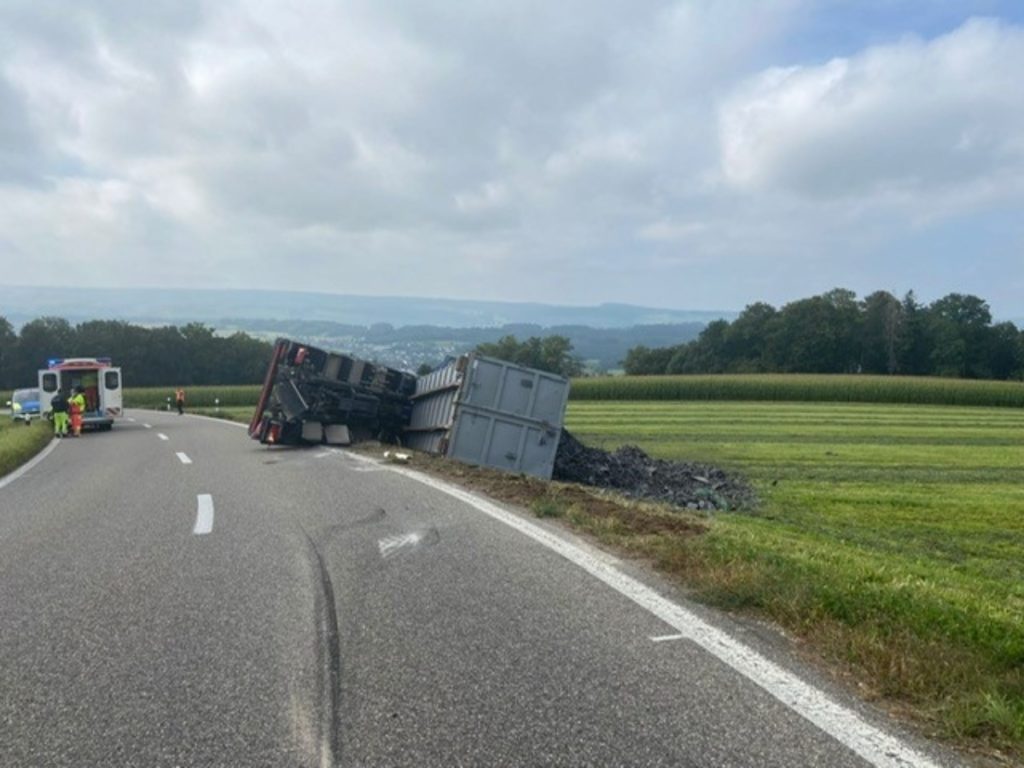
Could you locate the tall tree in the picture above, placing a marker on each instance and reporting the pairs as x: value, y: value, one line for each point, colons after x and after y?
x: 8, y: 353
x: 882, y: 329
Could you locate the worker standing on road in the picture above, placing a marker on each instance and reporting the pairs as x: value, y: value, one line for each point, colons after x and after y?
x: 77, y: 407
x: 179, y: 400
x: 59, y: 406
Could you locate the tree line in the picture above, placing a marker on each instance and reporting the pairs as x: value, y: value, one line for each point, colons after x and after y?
x: 836, y: 333
x: 165, y: 356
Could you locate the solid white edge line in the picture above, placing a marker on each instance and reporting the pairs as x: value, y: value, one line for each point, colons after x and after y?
x: 162, y: 436
x: 184, y: 459
x: 10, y: 477
x: 879, y: 748
x: 204, y: 514
x: 218, y: 421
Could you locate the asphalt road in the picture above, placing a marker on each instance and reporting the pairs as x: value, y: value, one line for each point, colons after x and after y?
x: 173, y: 594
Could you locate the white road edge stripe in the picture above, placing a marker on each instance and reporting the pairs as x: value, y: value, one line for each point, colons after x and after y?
x: 162, y: 436
x: 12, y: 476
x: 204, y: 514
x: 841, y: 723
x: 183, y: 458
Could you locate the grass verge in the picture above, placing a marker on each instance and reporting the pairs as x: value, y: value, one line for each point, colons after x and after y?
x: 19, y: 443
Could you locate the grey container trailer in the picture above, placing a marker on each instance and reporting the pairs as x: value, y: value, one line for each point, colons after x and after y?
x: 490, y: 412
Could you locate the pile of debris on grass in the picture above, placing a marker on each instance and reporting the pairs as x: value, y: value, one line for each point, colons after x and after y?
x: 633, y: 473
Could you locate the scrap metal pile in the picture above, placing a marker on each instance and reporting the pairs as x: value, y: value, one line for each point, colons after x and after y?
x: 630, y: 471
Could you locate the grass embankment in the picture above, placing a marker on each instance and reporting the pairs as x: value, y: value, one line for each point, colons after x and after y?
x: 803, y: 388
x: 889, y: 537
x: 19, y: 443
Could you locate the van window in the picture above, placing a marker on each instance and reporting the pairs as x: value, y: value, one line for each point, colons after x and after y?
x: 49, y: 382
x: 111, y: 380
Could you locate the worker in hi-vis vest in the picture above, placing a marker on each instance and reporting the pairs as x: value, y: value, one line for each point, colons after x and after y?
x: 59, y: 405
x: 77, y: 408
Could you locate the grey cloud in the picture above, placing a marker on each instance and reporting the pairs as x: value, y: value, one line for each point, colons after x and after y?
x: 912, y: 118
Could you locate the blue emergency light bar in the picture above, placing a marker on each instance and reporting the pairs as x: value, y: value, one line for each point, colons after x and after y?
x: 54, y: 362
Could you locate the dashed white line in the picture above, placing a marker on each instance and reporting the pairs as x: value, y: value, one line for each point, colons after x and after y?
x: 162, y: 436
x: 664, y: 638
x: 147, y: 426
x: 183, y: 458
x: 204, y: 514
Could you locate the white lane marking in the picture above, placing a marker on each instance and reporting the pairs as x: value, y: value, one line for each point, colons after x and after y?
x: 204, y: 514
x: 183, y: 458
x: 663, y: 638
x: 874, y: 745
x: 12, y: 476
x: 162, y: 436
x: 219, y: 421
x: 390, y: 545
x: 129, y: 418
x: 147, y: 426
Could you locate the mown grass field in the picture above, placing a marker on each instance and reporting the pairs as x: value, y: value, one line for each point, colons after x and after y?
x: 889, y: 536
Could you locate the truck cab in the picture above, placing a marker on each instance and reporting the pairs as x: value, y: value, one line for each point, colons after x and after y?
x: 100, y: 382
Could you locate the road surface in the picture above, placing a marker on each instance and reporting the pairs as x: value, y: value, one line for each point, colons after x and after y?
x: 173, y: 594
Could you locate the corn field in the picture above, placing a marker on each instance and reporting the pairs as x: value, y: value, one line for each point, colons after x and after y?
x: 803, y: 388
x: 195, y: 397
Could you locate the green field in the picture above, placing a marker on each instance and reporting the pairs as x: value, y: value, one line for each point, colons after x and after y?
x: 195, y: 397
x: 890, y: 536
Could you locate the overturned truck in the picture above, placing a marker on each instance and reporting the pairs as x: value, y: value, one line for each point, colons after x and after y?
x: 311, y: 396
x: 475, y: 409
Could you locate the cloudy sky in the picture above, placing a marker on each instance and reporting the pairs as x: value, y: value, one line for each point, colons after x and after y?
x: 699, y: 154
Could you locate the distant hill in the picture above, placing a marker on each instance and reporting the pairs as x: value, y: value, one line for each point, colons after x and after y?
x: 176, y: 306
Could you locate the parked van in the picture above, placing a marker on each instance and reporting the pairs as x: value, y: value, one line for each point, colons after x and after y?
x: 99, y: 380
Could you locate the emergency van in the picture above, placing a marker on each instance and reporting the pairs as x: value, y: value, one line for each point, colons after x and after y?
x: 100, y: 383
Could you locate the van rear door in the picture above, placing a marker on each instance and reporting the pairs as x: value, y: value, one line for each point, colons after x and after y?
x: 110, y: 393
x: 49, y: 383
